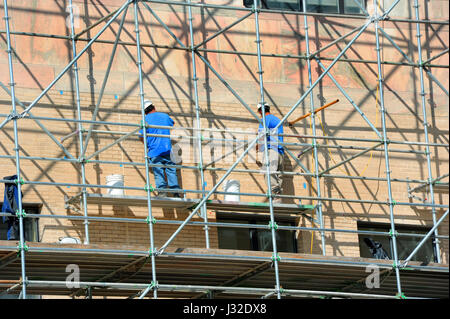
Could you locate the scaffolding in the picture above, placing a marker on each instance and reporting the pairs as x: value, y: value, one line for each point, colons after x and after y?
x: 258, y: 262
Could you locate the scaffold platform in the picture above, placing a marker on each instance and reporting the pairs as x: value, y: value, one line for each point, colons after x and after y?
x: 189, y: 203
x: 121, y: 271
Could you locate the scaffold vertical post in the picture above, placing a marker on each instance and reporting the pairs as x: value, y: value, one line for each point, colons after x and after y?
x: 22, y: 247
x: 198, y: 124
x: 386, y: 148
x: 267, y: 159
x: 144, y: 134
x: 425, y: 131
x: 313, y: 127
x: 80, y: 125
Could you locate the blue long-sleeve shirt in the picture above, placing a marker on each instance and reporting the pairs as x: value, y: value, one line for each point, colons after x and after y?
x: 274, y: 139
x: 158, y: 145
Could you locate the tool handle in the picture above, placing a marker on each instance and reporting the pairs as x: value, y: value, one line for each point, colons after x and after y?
x: 315, y: 111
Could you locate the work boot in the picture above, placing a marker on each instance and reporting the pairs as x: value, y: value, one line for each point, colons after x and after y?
x: 176, y: 195
x: 175, y: 192
x: 161, y: 194
x: 276, y: 191
x: 277, y: 200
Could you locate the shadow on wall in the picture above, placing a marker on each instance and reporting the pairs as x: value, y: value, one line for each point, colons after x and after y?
x: 288, y: 182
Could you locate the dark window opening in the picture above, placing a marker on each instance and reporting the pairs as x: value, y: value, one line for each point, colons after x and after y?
x: 30, y: 225
x: 254, y: 238
x: 405, y: 244
x: 315, y: 6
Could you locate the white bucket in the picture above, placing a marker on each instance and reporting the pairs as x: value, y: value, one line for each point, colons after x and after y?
x: 69, y: 240
x: 232, y: 186
x: 117, y: 181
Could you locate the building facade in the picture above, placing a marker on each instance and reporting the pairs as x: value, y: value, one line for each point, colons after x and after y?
x: 337, y: 160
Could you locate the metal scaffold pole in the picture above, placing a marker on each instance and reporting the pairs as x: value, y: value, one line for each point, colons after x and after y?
x: 313, y: 127
x: 152, y: 252
x: 425, y: 131
x: 386, y: 150
x: 198, y: 288
x: 20, y: 213
x: 267, y: 158
x: 198, y: 123
x: 80, y: 126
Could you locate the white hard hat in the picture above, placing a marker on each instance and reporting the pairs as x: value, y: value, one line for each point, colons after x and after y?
x: 147, y: 103
x: 266, y: 106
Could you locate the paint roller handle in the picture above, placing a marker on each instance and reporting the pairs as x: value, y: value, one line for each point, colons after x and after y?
x: 315, y: 111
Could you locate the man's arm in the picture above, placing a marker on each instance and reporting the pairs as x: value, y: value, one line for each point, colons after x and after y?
x: 257, y: 142
x: 171, y: 122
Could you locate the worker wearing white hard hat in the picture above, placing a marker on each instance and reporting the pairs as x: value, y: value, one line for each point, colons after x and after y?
x: 274, y: 148
x: 159, y: 150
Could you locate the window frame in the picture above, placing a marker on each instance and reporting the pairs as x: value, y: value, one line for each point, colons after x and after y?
x: 340, y: 3
x: 252, y: 219
x: 401, y: 228
x: 29, y: 208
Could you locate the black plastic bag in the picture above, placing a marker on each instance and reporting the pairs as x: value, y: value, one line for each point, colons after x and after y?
x: 10, y: 205
x: 376, y: 249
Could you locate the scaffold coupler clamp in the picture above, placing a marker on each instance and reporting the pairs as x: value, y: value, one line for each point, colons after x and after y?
x: 21, y: 247
x: 153, y: 252
x: 275, y: 257
x: 393, y: 233
x: 272, y: 225
x: 156, y: 252
x: 401, y: 295
x: 23, y: 281
x: 149, y: 188
x: 19, y: 181
x: 401, y: 265
x: 153, y: 285
x: 21, y: 214
x: 13, y: 115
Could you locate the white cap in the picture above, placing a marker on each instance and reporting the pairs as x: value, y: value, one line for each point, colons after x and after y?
x: 147, y: 103
x: 260, y: 105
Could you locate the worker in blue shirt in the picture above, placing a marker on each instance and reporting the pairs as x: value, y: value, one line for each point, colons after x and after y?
x: 159, y: 149
x: 275, y: 149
